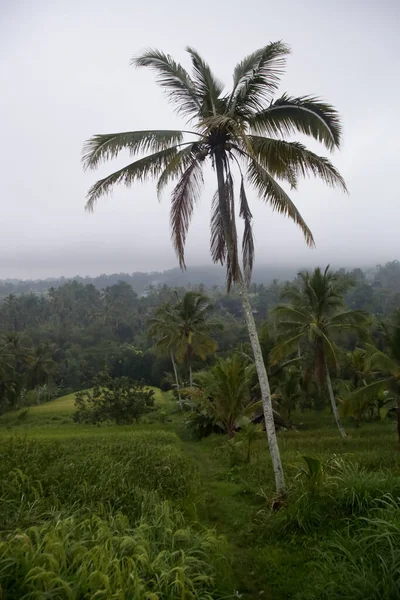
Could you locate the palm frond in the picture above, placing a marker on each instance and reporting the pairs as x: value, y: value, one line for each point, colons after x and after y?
x: 149, y: 166
x: 382, y: 362
x: 286, y: 313
x: 349, y: 318
x: 208, y: 87
x: 269, y: 190
x: 104, y: 147
x: 232, y: 259
x: 173, y: 78
x: 284, y: 347
x: 305, y: 114
x: 183, y: 199
x: 289, y: 160
x: 248, y: 240
x: 217, y: 238
x: 257, y: 77
x: 371, y: 390
x: 175, y: 168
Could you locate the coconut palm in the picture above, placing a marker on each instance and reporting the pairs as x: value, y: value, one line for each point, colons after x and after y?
x: 287, y: 392
x: 163, y: 328
x: 191, y: 318
x: 225, y: 390
x: 241, y: 130
x: 314, y: 315
x: 388, y: 365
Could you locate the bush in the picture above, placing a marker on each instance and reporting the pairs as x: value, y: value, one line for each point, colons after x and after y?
x: 121, y: 401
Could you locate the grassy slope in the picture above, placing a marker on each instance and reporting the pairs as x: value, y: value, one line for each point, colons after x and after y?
x: 233, y: 497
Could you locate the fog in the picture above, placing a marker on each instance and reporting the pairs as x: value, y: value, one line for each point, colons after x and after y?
x: 65, y: 76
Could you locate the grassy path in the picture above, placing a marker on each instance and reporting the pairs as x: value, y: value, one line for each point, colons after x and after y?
x: 259, y: 570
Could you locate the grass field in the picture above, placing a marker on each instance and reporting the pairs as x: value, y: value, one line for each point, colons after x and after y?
x: 336, y: 536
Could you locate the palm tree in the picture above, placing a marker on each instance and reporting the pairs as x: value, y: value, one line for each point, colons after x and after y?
x: 191, y: 320
x: 388, y: 364
x: 287, y: 392
x: 163, y: 328
x: 243, y: 129
x: 314, y: 315
x: 225, y: 391
x: 41, y: 365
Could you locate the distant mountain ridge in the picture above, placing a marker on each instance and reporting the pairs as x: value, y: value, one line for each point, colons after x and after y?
x: 207, y: 275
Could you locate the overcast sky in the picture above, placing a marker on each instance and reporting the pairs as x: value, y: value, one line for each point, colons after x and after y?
x: 65, y: 75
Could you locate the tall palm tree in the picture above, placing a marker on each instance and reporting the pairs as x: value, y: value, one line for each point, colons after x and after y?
x: 242, y: 129
x: 191, y: 319
x: 386, y: 363
x: 163, y: 328
x: 314, y: 315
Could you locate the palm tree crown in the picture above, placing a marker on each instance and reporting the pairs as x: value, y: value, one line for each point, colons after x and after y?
x: 244, y: 128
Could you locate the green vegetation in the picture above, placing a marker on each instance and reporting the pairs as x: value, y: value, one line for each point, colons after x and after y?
x: 229, y: 478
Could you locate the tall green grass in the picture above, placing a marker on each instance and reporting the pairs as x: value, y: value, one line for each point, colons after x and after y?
x: 102, y: 517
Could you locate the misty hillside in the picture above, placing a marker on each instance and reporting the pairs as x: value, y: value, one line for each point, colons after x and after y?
x: 207, y: 275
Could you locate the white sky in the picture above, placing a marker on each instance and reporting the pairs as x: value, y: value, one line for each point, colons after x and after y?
x: 65, y: 75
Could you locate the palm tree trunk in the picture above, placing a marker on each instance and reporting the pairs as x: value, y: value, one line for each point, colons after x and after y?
x: 176, y: 380
x: 255, y: 342
x: 190, y: 375
x: 333, y: 401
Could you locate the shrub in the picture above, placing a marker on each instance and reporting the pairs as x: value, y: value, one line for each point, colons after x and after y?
x: 121, y: 401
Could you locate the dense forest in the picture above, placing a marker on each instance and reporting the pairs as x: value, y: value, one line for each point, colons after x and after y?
x: 56, y: 341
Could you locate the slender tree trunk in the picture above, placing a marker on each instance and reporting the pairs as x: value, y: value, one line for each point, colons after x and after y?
x: 398, y: 417
x: 190, y: 375
x: 333, y: 401
x: 176, y: 380
x: 255, y: 343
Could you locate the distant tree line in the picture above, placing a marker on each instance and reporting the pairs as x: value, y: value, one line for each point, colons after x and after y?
x: 59, y: 341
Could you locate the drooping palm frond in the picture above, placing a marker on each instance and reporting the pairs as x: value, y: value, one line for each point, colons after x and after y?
x: 291, y: 159
x: 349, y: 319
x: 184, y: 196
x: 247, y: 240
x: 284, y: 347
x: 290, y: 314
x: 173, y: 78
x: 103, y: 147
x: 306, y: 114
x: 217, y: 236
x: 149, y: 166
x: 208, y: 87
x: 382, y: 362
x: 256, y: 79
x: 175, y: 168
x: 269, y: 190
x: 371, y: 390
x: 233, y: 272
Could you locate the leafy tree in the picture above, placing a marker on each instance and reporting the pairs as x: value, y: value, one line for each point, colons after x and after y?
x: 121, y: 401
x: 314, y: 315
x: 242, y: 129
